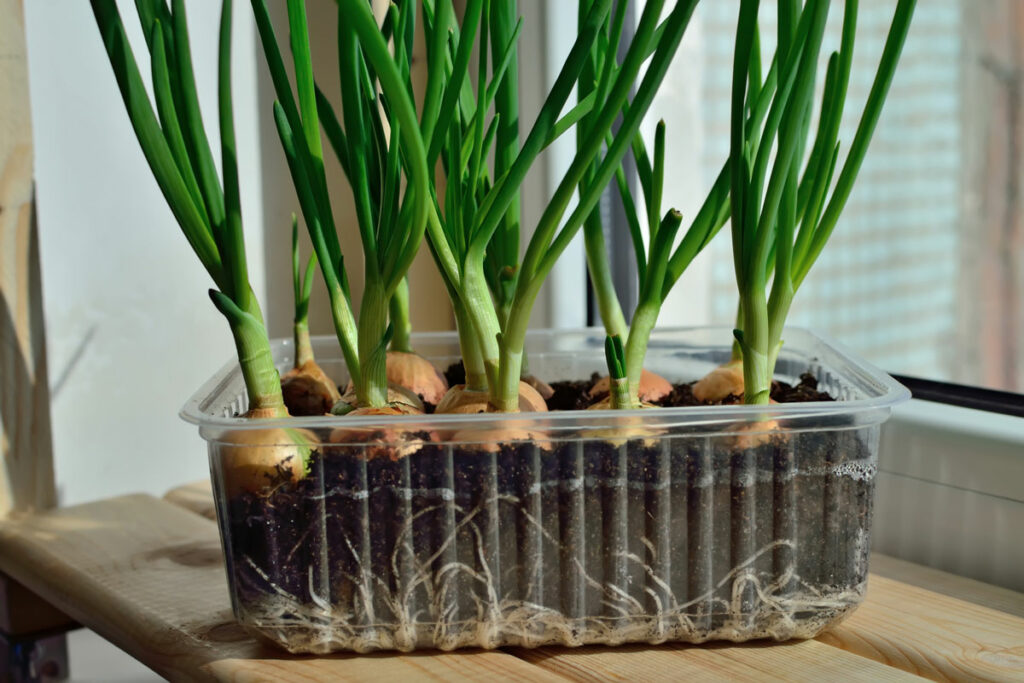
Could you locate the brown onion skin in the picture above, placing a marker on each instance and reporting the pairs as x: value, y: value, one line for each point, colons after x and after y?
x: 653, y: 387
x: 396, y: 394
x: 491, y: 440
x: 308, y: 390
x: 632, y: 427
x: 460, y: 400
x: 257, y: 460
x: 542, y: 387
x: 720, y: 383
x: 417, y: 374
x: 388, y: 442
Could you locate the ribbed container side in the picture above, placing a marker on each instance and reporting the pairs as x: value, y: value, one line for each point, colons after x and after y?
x: 647, y: 540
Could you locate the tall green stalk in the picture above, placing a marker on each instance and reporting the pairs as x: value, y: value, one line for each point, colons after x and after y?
x: 302, y: 284
x: 659, y: 265
x: 780, y: 228
x: 503, y: 251
x: 176, y: 147
x: 398, y: 314
x: 391, y: 210
x: 477, y: 204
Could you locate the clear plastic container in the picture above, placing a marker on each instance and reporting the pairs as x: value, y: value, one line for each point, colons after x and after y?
x: 675, y: 524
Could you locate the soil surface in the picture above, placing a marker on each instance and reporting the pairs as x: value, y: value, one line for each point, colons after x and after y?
x: 574, y: 395
x: 455, y: 374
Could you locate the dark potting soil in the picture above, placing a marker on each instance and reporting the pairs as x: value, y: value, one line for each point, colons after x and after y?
x: 573, y: 395
x: 455, y: 374
x: 443, y: 533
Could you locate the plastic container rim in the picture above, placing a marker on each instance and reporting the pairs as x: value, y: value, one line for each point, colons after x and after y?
x: 887, y: 393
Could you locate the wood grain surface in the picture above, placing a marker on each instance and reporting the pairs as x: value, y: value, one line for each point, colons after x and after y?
x: 932, y: 635
x: 806, y: 660
x: 196, y: 497
x: 978, y: 592
x: 26, y: 480
x: 23, y: 613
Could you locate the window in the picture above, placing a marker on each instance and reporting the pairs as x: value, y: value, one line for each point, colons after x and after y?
x: 924, y: 275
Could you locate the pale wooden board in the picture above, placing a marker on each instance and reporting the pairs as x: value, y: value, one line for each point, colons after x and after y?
x: 807, y: 660
x: 149, y: 576
x: 196, y: 497
x: 932, y: 635
x: 984, y: 594
x: 26, y: 480
x: 472, y: 665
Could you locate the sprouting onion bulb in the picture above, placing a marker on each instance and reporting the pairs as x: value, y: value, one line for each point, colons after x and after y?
x: 207, y: 208
x: 175, y: 144
x: 620, y: 398
x: 306, y: 387
x: 784, y: 206
x: 617, y: 394
x: 405, y: 367
x: 615, y: 356
x: 661, y: 263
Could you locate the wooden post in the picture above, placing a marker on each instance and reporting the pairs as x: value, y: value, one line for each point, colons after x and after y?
x: 30, y: 642
x: 26, y: 481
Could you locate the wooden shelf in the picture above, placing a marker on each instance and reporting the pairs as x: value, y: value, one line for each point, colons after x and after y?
x: 148, y: 575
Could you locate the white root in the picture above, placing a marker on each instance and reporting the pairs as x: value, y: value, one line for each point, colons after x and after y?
x: 419, y: 607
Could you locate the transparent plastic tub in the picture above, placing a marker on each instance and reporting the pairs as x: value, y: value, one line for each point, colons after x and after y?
x: 675, y: 524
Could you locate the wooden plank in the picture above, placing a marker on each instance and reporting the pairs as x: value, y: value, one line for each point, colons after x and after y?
x: 22, y: 612
x: 932, y: 635
x: 196, y: 497
x: 978, y: 592
x: 149, y: 576
x: 467, y: 665
x: 26, y: 480
x: 806, y: 660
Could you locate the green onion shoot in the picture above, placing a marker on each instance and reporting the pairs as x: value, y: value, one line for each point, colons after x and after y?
x: 387, y: 174
x: 306, y: 387
x: 207, y: 208
x: 661, y: 263
x: 783, y: 207
x: 464, y: 223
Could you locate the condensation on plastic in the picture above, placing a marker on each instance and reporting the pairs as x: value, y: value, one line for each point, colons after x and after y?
x: 695, y: 526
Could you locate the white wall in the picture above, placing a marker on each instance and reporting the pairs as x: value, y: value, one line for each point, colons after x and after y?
x: 130, y: 330
x: 949, y: 493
